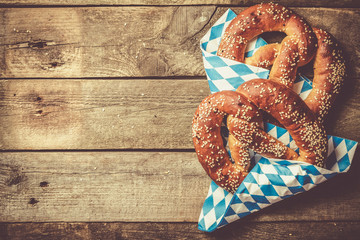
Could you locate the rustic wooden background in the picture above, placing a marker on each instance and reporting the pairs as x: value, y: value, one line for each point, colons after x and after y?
x: 96, y: 102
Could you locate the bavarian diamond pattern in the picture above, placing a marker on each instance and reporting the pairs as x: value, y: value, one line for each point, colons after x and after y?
x: 222, y: 73
x: 270, y: 180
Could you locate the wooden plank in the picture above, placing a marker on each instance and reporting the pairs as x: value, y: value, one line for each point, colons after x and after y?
x: 77, y: 42
x: 107, y: 42
x: 303, y: 3
x: 142, y: 187
x: 243, y: 230
x: 101, y: 186
x: 98, y: 114
x: 121, y: 114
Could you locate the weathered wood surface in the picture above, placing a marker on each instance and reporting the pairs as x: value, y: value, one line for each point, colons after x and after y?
x: 141, y: 231
x: 309, y: 3
x: 98, y: 114
x: 119, y: 85
x: 142, y: 186
x: 102, y: 41
x: 101, y: 186
x: 120, y: 114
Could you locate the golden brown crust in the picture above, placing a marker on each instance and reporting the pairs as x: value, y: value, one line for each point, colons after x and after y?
x: 263, y: 143
x: 245, y: 122
x: 208, y: 141
x: 265, y: 56
x: 302, y: 119
x: 329, y: 74
x: 329, y: 71
x: 296, y: 49
x: 293, y: 114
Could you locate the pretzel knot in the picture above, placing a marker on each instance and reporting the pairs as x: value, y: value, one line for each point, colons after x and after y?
x: 244, y: 108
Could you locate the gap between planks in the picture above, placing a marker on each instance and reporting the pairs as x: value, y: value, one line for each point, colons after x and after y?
x: 238, y: 230
x: 82, y: 42
x: 121, y: 114
x: 142, y: 186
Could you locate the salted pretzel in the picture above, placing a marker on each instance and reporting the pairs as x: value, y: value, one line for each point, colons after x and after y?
x: 329, y: 66
x: 329, y: 71
x: 302, y: 119
x: 242, y: 109
x: 295, y: 50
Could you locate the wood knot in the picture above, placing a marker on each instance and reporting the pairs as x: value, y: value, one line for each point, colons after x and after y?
x: 44, y: 184
x: 56, y: 64
x: 33, y: 201
x: 15, y: 178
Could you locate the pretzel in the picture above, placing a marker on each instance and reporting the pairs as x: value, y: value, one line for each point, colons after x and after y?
x: 242, y: 109
x: 329, y: 66
x: 329, y: 74
x: 329, y: 71
x: 295, y: 50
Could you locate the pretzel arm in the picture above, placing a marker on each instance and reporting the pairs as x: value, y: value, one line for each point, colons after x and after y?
x: 265, y: 56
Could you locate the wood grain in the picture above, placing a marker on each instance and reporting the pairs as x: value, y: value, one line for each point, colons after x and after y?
x: 142, y: 186
x: 101, y: 186
x: 243, y: 230
x: 98, y: 114
x: 78, y: 42
x: 120, y: 113
x: 102, y: 93
x: 311, y: 3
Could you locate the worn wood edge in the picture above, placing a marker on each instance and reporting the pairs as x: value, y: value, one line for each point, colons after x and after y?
x: 296, y: 3
x: 143, y: 186
x: 145, y: 230
x: 87, y: 114
x: 69, y: 45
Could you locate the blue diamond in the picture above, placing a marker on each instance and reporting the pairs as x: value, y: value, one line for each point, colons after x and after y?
x: 208, y: 205
x: 311, y: 169
x: 344, y: 163
x: 275, y: 179
x: 216, y: 61
x: 212, y: 87
x: 242, y: 69
x: 235, y: 81
x: 216, y: 31
x: 213, y: 74
x: 252, y: 206
x: 268, y: 190
x: 260, y: 199
x: 231, y: 15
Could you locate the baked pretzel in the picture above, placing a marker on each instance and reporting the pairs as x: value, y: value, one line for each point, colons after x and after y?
x: 245, y: 121
x: 329, y: 74
x: 329, y: 71
x: 329, y: 67
x: 302, y: 119
x: 295, y: 50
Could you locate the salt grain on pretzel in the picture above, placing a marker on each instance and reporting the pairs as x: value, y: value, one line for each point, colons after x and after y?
x: 291, y: 112
x: 329, y: 74
x: 296, y: 49
x: 302, y: 119
x: 329, y: 71
x: 209, y: 143
x: 243, y: 111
